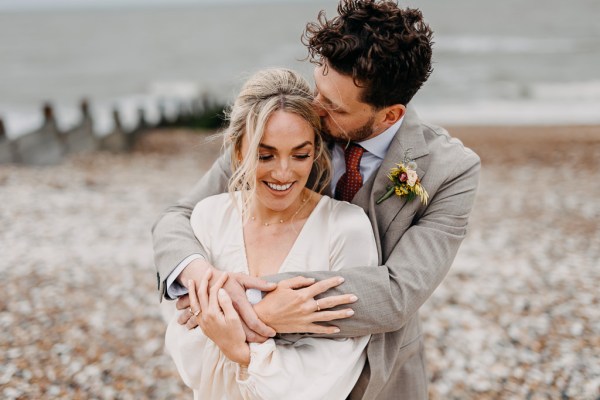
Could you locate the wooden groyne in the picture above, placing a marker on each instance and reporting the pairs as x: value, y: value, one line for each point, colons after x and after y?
x: 48, y: 144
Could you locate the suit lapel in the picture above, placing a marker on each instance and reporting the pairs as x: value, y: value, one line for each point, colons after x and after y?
x: 408, y: 138
x: 364, y: 199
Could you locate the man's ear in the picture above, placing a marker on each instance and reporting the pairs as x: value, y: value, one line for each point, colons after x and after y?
x: 392, y: 114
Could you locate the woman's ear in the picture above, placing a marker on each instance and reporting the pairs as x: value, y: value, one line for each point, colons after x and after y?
x: 237, y: 153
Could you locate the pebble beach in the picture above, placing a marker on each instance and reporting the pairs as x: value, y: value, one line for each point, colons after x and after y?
x: 518, y: 316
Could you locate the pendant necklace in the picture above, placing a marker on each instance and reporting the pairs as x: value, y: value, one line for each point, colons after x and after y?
x: 281, y: 221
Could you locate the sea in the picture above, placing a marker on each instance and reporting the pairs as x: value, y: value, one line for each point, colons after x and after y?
x: 510, y: 62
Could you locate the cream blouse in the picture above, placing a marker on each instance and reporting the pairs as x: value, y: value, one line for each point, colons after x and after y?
x: 336, y: 234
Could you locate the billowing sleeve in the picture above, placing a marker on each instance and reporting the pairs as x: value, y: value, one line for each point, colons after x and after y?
x: 193, y: 353
x: 311, y: 368
x: 317, y: 368
x: 186, y: 348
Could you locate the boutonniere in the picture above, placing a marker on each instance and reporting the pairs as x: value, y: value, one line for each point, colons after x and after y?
x: 405, y: 182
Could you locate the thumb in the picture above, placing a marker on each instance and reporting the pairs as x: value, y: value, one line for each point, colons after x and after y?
x: 297, y: 282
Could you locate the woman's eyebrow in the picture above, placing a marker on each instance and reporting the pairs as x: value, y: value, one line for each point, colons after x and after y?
x: 302, y: 145
x: 267, y: 147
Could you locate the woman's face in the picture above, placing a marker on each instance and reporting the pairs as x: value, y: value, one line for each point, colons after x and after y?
x: 285, y: 159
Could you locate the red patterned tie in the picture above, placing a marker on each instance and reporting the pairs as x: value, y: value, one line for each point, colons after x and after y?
x: 351, y: 181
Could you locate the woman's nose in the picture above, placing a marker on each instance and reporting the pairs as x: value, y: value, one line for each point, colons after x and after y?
x: 282, y: 171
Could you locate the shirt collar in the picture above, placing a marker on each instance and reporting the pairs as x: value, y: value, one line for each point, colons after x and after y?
x: 380, y: 144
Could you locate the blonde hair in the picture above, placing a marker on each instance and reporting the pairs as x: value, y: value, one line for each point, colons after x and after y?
x: 262, y: 95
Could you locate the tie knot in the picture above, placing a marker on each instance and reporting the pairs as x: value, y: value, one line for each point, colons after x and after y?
x: 351, y: 181
x: 352, y: 155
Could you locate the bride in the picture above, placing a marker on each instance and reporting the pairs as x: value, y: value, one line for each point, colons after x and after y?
x: 271, y: 222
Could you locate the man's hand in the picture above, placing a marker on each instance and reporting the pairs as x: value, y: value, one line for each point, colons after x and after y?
x: 236, y: 285
x: 292, y: 308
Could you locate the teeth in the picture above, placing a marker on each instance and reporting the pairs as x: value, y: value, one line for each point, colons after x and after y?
x: 279, y: 187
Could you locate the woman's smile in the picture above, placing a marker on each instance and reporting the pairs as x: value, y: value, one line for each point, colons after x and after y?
x: 279, y: 187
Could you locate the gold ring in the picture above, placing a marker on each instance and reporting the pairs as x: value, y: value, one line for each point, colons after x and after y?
x: 318, y: 307
x: 195, y: 314
x: 190, y: 311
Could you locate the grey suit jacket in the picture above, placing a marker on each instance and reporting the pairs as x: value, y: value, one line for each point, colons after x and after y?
x: 417, y: 244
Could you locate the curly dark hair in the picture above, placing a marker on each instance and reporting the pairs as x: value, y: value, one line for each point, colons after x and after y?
x: 386, y: 49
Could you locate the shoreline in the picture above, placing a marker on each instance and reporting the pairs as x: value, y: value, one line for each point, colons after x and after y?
x: 527, y: 133
x: 523, y: 145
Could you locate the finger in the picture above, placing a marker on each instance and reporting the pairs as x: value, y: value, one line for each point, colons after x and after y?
x: 213, y: 302
x: 203, y: 291
x: 297, y: 282
x: 324, y: 316
x: 194, y: 302
x: 184, y: 317
x: 252, y: 282
x: 323, y: 286
x: 226, y: 305
x: 183, y: 302
x: 251, y: 336
x: 191, y: 323
x: 248, y: 315
x: 327, y: 329
x: 333, y: 301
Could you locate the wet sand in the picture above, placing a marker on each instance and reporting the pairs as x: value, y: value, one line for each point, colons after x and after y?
x: 517, y: 317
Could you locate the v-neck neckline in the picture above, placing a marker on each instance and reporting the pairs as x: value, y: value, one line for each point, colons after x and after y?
x: 294, y: 245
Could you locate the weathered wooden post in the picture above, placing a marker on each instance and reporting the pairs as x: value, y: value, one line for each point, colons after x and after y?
x: 142, y: 127
x: 163, y: 122
x: 143, y: 121
x: 44, y: 146
x: 117, y: 141
x: 6, y: 147
x: 81, y: 137
x: 183, y: 115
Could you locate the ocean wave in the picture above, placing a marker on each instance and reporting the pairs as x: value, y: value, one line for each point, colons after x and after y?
x: 567, y: 91
x: 523, y: 112
x: 504, y: 44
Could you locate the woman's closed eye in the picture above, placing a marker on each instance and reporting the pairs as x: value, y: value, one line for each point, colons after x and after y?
x: 269, y: 157
x: 265, y: 157
x: 302, y: 156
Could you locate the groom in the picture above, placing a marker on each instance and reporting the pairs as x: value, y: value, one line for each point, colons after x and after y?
x: 370, y: 61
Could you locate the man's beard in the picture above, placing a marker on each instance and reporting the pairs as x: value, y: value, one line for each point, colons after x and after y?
x: 357, y: 135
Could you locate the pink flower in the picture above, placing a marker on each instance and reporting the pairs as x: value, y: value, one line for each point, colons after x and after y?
x: 403, y: 177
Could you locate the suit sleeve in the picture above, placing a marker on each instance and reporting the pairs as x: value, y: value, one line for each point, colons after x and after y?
x: 389, y: 295
x: 172, y: 234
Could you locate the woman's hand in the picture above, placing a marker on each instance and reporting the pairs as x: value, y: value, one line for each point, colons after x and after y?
x: 292, y: 307
x: 236, y: 285
x: 218, y: 319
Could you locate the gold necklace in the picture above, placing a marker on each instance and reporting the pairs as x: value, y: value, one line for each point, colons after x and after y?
x: 281, y: 221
